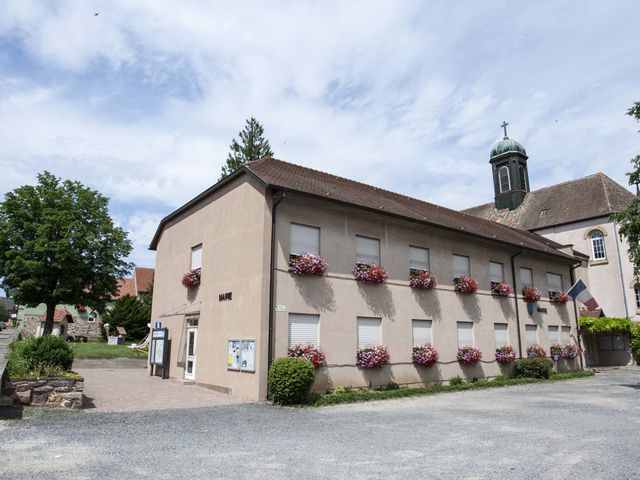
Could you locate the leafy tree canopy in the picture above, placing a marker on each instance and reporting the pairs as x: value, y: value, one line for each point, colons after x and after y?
x: 130, y: 313
x: 252, y: 145
x: 629, y: 218
x: 58, y: 245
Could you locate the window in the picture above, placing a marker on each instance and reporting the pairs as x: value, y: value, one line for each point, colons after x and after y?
x: 421, y: 332
x: 460, y: 266
x: 304, y: 240
x: 523, y: 178
x: 526, y: 277
x: 636, y: 289
x: 496, y: 272
x: 465, y: 333
x: 501, y: 332
x: 611, y: 342
x: 554, y: 282
x: 196, y: 257
x: 597, y: 245
x: 418, y: 259
x: 532, y: 334
x: 504, y: 180
x: 554, y: 334
x: 544, y: 212
x: 367, y: 250
x: 369, y: 331
x: 303, y: 329
x: 566, y: 335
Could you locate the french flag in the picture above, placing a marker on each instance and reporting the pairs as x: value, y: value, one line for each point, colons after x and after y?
x: 580, y: 292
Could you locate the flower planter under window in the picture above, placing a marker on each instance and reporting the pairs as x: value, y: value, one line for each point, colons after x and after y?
x: 422, y: 279
x: 536, y: 351
x: 469, y: 354
x: 373, y: 356
x: 307, y: 264
x: 191, y: 279
x: 425, y: 355
x: 505, y: 354
x: 559, y: 298
x: 571, y: 350
x: 501, y: 289
x: 308, y: 352
x: 531, y: 294
x: 556, y: 351
x: 465, y: 284
x: 370, y: 273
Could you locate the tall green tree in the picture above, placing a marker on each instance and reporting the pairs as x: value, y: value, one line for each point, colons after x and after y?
x: 58, y: 245
x: 132, y: 314
x: 252, y: 145
x: 629, y: 218
x: 4, y: 314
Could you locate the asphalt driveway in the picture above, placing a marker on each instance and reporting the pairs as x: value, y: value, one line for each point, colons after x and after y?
x: 585, y: 428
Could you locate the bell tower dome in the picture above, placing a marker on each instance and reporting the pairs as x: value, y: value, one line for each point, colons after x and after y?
x: 508, y: 161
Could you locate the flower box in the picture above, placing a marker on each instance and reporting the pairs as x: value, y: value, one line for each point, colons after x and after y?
x: 536, y: 351
x: 505, y: 354
x: 531, y: 294
x: 373, y: 356
x: 308, y: 352
x: 571, y: 350
x: 425, y: 355
x: 191, y: 279
x: 501, y: 289
x: 422, y: 280
x: 556, y: 351
x: 468, y: 354
x: 370, y: 273
x: 308, y: 264
x: 560, y: 297
x: 465, y: 284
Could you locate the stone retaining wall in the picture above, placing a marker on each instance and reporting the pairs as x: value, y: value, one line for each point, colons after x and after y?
x: 57, y: 392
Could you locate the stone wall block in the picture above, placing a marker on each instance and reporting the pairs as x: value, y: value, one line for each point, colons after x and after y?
x: 63, y: 389
x: 43, y: 389
x: 24, y: 397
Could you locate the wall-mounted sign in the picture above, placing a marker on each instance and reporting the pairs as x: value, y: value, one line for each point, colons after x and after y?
x: 241, y: 355
x: 233, y: 355
x: 225, y: 296
x: 281, y: 308
x: 542, y: 310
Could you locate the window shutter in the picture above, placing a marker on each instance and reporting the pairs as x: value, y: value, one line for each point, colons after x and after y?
x: 554, y: 282
x: 465, y: 333
x: 532, y: 334
x: 418, y: 258
x: 554, y: 334
x: 367, y: 250
x: 460, y: 265
x: 303, y: 329
x: 421, y: 332
x: 496, y: 271
x: 526, y: 277
x: 196, y: 257
x: 305, y: 240
x: 501, y: 332
x: 566, y: 334
x: 368, y: 331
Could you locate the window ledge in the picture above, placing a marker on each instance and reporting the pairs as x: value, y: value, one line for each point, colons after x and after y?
x: 602, y: 261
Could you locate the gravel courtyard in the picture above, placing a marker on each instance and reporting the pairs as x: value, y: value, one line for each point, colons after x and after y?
x: 585, y: 428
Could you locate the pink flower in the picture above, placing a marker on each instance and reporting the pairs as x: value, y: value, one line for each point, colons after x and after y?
x: 423, y: 280
x: 369, y: 273
x: 560, y: 297
x: 531, y: 294
x: 308, y: 264
x: 536, y: 351
x: 308, y: 352
x: 465, y: 284
x: 501, y: 288
x: 191, y: 279
x: 468, y: 354
x: 425, y: 355
x: 373, y: 356
x: 505, y: 354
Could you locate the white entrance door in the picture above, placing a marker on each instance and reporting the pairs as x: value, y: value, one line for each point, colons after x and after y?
x: 190, y: 363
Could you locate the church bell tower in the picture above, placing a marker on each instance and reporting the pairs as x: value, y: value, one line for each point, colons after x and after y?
x: 508, y: 161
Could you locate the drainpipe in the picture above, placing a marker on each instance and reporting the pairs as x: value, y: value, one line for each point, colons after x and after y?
x: 572, y: 276
x: 515, y: 298
x: 272, y: 273
x: 624, y: 288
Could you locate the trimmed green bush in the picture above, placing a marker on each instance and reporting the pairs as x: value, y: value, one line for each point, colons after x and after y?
x: 456, y: 381
x: 43, y: 356
x: 534, y: 367
x: 290, y: 380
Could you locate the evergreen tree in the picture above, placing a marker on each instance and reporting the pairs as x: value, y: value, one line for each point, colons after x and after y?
x: 130, y: 313
x: 629, y: 218
x: 252, y: 145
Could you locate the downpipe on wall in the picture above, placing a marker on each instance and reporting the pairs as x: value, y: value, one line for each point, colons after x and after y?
x: 515, y: 298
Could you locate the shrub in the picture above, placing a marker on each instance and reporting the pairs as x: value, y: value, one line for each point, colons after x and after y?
x: 422, y: 280
x: 308, y: 264
x: 536, y: 351
x: 465, y: 284
x: 369, y: 273
x: 290, y: 380
x: 425, y: 355
x: 635, y: 339
x: 531, y: 294
x: 468, y: 354
x: 373, y: 356
x: 501, y: 378
x: 308, y: 352
x: 456, y: 381
x: 534, y: 367
x: 505, y: 354
x: 43, y: 356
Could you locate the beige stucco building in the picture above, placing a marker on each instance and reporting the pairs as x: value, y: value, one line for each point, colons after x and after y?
x: 243, y: 231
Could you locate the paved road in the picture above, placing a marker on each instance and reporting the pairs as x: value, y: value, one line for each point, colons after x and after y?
x: 584, y: 428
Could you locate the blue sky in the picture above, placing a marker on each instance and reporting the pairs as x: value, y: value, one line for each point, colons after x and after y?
x: 142, y: 101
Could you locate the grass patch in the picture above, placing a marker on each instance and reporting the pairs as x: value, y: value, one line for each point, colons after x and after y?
x: 102, y: 350
x: 354, y: 396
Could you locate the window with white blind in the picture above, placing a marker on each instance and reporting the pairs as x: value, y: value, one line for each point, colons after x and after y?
x: 418, y: 259
x: 502, y: 334
x: 566, y: 335
x: 421, y: 332
x: 304, y: 239
x: 367, y: 250
x: 554, y: 334
x: 303, y: 329
x: 526, y: 277
x: 196, y: 257
x: 465, y: 333
x: 554, y: 282
x: 531, y: 334
x: 496, y: 272
x: 460, y: 266
x: 369, y: 331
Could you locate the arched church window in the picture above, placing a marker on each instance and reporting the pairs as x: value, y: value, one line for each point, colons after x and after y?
x: 523, y: 178
x: 597, y: 245
x: 503, y: 179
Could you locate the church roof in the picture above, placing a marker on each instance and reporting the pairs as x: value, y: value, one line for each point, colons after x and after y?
x: 295, y: 178
x: 589, y: 197
x: 507, y: 145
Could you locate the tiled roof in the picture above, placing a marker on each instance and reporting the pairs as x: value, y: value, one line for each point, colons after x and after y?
x: 143, y: 277
x: 126, y: 286
x: 295, y: 178
x: 58, y: 316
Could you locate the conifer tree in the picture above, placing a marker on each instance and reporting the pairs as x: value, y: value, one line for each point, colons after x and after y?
x: 252, y: 145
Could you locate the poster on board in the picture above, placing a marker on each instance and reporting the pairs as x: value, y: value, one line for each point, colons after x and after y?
x: 233, y: 355
x: 158, y: 352
x: 248, y: 355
